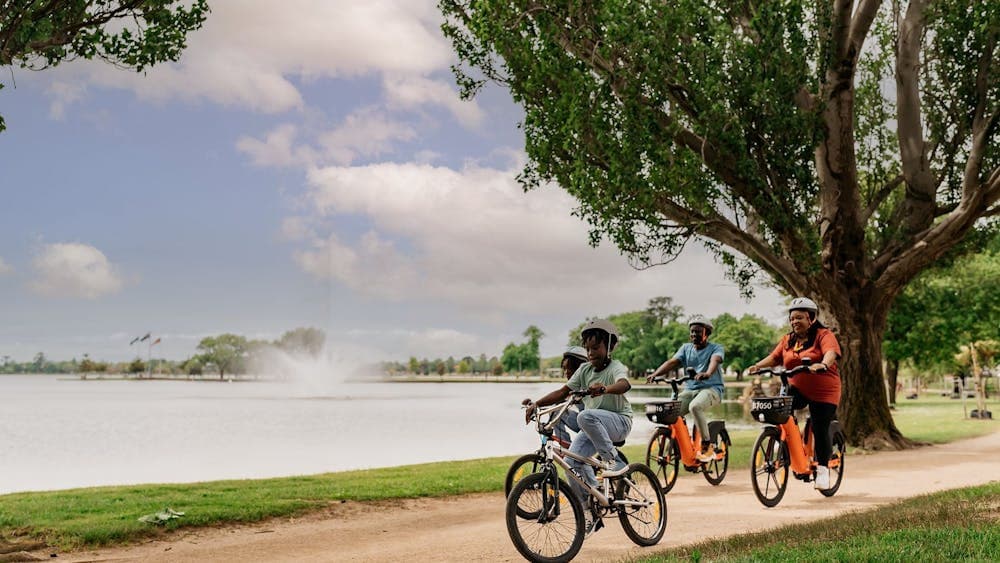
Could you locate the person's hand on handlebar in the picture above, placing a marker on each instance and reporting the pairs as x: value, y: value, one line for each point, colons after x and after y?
x: 529, y: 410
x: 817, y: 367
x: 752, y: 369
x: 654, y: 378
x: 702, y: 376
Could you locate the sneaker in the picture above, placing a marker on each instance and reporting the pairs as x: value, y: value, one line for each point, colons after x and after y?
x: 615, y: 468
x: 822, y: 481
x: 591, y: 524
x: 707, y: 455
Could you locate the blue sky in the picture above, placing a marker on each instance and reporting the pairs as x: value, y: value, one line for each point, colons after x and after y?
x: 306, y: 163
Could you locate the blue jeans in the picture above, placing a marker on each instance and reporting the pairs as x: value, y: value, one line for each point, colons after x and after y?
x: 599, y: 429
x: 566, y: 423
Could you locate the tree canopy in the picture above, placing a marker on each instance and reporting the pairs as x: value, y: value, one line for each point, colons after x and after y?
x: 837, y: 148
x: 135, y: 34
x: 524, y: 356
x: 945, y: 308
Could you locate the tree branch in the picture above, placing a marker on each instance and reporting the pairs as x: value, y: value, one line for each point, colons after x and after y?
x: 879, y: 197
x: 724, y: 231
x: 861, y: 23
x: 918, y: 206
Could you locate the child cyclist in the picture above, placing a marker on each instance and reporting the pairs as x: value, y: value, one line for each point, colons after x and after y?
x: 705, y: 391
x: 607, y: 416
x: 572, y: 359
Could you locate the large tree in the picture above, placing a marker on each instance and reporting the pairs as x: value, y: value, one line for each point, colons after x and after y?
x: 839, y: 147
x: 135, y: 34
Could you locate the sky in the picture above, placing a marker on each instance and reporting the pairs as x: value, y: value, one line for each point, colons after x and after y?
x: 305, y: 163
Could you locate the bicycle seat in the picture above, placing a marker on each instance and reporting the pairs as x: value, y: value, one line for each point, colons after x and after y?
x: 619, y: 443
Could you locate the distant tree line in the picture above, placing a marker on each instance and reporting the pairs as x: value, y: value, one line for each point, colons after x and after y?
x: 648, y: 337
x: 224, y: 354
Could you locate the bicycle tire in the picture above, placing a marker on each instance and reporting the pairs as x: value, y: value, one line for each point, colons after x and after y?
x: 715, y: 470
x: 521, y: 468
x: 663, y: 457
x: 769, y: 461
x: 644, y: 525
x: 839, y: 453
x: 554, y: 539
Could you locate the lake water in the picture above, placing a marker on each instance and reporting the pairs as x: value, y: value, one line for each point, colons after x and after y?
x: 58, y: 433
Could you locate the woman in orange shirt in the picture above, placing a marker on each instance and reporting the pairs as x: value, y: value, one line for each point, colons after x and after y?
x: 819, y: 388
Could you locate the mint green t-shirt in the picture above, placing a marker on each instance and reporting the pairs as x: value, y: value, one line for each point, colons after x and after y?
x: 585, y: 376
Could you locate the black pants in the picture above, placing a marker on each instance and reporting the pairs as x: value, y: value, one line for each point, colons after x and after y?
x: 821, y: 414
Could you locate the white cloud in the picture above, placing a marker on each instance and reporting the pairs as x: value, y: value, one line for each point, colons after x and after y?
x: 409, y: 91
x: 365, y: 132
x: 472, y: 238
x: 277, y: 149
x: 74, y: 270
x: 247, y: 50
x: 63, y: 95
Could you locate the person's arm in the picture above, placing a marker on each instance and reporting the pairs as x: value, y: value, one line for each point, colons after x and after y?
x: 619, y: 387
x: 767, y: 362
x: 829, y: 357
x: 831, y: 352
x: 552, y: 398
x: 713, y: 364
x: 665, y: 367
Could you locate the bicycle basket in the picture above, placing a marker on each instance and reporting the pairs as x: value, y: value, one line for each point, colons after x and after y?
x: 773, y: 410
x: 663, y: 412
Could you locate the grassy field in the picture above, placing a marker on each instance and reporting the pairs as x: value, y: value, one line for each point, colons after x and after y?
x: 958, y: 525
x: 108, y: 515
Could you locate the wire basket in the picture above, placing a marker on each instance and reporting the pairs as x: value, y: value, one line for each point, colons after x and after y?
x: 663, y: 412
x: 773, y: 410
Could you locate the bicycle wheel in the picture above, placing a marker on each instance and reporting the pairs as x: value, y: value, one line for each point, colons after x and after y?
x: 644, y: 513
x: 715, y: 470
x: 522, y: 467
x: 556, y: 533
x: 663, y: 457
x: 836, y: 465
x: 769, y: 467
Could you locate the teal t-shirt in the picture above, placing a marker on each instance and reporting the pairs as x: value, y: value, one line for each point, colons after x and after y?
x: 691, y: 357
x: 585, y: 376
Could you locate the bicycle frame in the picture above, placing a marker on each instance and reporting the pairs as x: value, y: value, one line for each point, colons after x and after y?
x: 686, y: 440
x: 800, y: 445
x: 555, y: 453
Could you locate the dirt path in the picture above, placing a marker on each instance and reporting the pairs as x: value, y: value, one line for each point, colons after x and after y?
x: 471, y: 528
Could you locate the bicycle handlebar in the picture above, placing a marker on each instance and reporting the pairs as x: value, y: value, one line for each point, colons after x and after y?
x: 689, y: 375
x: 784, y: 374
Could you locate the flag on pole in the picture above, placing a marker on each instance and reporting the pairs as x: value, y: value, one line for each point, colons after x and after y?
x: 144, y: 338
x: 134, y: 340
x: 155, y: 342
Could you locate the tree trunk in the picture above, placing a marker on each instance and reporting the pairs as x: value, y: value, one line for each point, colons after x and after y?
x: 892, y: 374
x: 864, y: 411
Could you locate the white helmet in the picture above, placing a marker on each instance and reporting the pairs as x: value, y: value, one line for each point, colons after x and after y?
x: 701, y: 320
x: 803, y: 304
x: 577, y: 352
x: 603, y: 325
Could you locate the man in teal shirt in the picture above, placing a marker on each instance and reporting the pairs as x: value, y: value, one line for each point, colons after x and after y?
x: 706, y: 389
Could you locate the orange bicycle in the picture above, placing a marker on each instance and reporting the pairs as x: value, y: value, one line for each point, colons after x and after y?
x: 672, y: 443
x: 781, y: 447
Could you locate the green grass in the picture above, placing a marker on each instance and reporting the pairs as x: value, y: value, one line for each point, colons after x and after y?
x: 937, y: 419
x: 962, y: 524
x: 109, y: 515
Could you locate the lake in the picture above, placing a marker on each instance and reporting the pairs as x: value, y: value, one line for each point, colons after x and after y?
x: 59, y: 432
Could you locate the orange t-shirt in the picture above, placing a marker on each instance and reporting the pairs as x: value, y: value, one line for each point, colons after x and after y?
x: 824, y: 386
